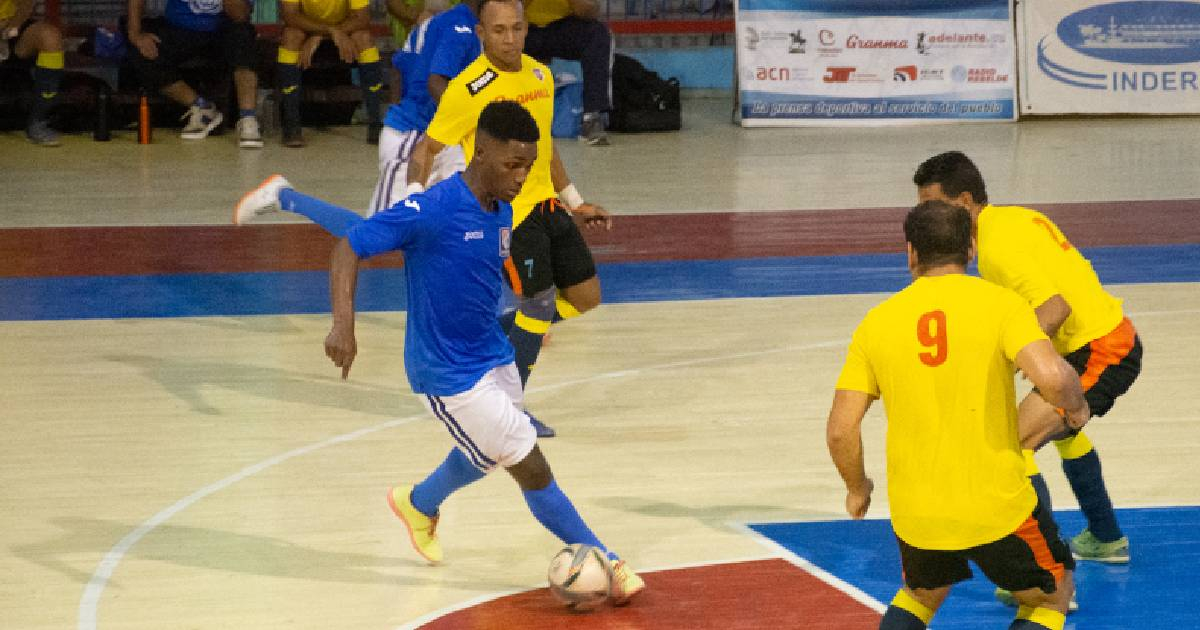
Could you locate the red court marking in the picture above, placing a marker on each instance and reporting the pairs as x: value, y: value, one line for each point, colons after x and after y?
x: 757, y: 594
x: 88, y: 251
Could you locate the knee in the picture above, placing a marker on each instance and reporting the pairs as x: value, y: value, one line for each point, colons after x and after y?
x: 585, y: 299
x: 362, y: 39
x: 291, y: 39
x: 539, y: 306
x: 49, y: 38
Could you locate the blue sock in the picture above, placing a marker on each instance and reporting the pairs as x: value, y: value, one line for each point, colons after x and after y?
x: 897, y: 618
x: 201, y: 103
x: 335, y: 219
x: 1043, y: 492
x: 455, y: 472
x: 555, y: 512
x: 246, y: 113
x: 1088, y: 483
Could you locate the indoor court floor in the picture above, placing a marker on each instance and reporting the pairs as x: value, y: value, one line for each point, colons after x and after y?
x: 179, y: 453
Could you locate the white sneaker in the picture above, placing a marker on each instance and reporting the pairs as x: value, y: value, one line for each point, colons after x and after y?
x: 260, y: 201
x: 249, y: 136
x: 201, y: 122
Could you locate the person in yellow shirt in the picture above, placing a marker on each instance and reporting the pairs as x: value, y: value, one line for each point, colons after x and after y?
x: 1024, y: 250
x: 24, y: 39
x: 941, y: 353
x: 572, y: 29
x: 549, y: 256
x: 346, y: 23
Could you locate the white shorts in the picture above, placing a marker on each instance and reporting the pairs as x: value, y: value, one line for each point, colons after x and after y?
x: 486, y: 421
x: 395, y: 150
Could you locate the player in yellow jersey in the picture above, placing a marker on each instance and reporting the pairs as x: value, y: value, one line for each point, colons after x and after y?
x: 347, y: 23
x: 1023, y: 250
x: 549, y: 254
x: 940, y: 354
x: 26, y: 42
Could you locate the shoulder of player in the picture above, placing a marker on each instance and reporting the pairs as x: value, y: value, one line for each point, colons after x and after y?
x: 541, y: 69
x: 476, y: 77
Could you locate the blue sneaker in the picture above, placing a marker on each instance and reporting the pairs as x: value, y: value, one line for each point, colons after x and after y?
x: 543, y: 431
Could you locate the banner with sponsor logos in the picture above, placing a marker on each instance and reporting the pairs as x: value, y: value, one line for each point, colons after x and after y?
x: 806, y: 62
x: 1110, y: 57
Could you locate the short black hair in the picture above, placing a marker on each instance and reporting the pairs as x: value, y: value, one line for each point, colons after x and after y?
x: 939, y: 232
x: 482, y: 3
x: 508, y: 120
x: 955, y: 172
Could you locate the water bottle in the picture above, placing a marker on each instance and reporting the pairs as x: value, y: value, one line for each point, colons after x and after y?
x: 100, y: 133
x: 144, y: 130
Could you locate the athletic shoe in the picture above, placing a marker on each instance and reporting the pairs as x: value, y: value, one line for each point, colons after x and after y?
x: 592, y: 130
x: 422, y: 530
x: 1006, y: 598
x: 249, y: 136
x: 1086, y: 546
x: 292, y: 136
x: 625, y: 583
x: 260, y: 201
x: 373, y: 131
x: 543, y: 430
x: 42, y: 134
x: 201, y: 122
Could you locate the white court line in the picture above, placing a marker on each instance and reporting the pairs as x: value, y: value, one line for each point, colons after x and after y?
x: 854, y: 592
x: 483, y: 599
x: 90, y: 602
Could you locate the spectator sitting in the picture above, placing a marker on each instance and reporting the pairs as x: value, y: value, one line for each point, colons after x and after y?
x: 306, y: 23
x: 20, y: 38
x: 212, y: 29
x: 570, y: 29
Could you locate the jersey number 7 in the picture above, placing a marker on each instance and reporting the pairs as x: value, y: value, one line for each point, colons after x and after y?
x: 931, y: 332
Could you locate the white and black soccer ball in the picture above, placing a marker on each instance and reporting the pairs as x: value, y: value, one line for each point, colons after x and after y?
x: 580, y: 577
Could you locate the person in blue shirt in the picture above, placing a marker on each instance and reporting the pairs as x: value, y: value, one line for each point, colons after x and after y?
x: 434, y: 52
x: 215, y: 29
x: 455, y: 238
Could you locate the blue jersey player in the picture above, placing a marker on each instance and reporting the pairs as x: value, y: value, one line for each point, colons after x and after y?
x: 455, y: 238
x: 434, y: 52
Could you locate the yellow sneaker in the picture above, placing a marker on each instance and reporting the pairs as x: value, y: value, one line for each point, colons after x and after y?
x: 625, y: 583
x: 422, y: 530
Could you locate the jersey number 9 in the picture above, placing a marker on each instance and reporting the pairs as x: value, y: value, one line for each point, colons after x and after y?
x: 931, y: 332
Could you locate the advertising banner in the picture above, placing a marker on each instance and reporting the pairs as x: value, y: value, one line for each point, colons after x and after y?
x: 807, y: 62
x: 1110, y: 57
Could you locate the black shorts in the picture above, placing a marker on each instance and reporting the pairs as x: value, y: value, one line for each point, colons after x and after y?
x: 232, y: 45
x: 548, y: 251
x: 1108, y: 366
x: 1033, y: 556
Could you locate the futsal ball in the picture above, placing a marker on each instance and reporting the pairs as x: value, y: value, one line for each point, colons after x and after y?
x: 580, y: 577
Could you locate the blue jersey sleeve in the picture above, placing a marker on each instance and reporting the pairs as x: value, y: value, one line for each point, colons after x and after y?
x: 401, y: 226
x: 454, y: 53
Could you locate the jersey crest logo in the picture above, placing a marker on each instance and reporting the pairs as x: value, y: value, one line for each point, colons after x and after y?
x: 505, y: 241
x: 537, y: 72
x: 476, y: 86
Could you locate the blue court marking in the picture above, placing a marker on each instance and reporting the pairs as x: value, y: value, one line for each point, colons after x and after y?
x: 1157, y: 590
x: 280, y: 293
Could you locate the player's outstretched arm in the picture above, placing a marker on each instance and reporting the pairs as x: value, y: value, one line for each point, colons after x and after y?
x: 1056, y: 381
x: 592, y: 215
x: 843, y: 435
x: 340, y: 344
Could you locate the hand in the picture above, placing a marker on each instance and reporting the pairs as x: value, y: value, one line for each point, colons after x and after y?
x: 147, y: 44
x: 858, y: 502
x: 1075, y: 420
x: 592, y: 215
x: 308, y: 49
x: 345, y: 45
x: 341, y: 347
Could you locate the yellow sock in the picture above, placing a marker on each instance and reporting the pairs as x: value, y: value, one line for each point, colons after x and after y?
x: 1051, y: 619
x: 51, y: 60
x: 535, y: 326
x: 290, y: 57
x: 1074, y: 447
x: 370, y: 55
x: 910, y: 603
x: 564, y: 308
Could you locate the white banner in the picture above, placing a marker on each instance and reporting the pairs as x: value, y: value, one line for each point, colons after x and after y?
x: 806, y: 62
x: 1110, y: 57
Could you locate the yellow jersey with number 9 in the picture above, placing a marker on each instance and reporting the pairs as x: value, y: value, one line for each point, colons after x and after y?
x: 940, y: 354
x: 1023, y: 250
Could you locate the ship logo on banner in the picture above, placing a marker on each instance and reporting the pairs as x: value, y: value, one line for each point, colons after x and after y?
x: 1128, y: 34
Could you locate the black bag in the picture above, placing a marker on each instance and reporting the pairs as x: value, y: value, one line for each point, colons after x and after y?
x: 642, y: 100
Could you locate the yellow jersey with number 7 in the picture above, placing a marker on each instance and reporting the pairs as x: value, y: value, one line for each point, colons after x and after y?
x: 940, y: 354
